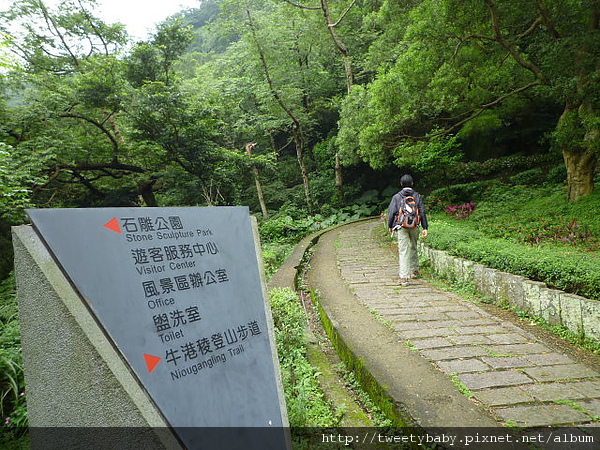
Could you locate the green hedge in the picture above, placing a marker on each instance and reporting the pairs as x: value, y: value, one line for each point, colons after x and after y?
x: 561, y: 267
x: 475, y: 170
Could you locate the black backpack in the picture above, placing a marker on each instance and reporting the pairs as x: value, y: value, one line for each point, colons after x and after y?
x: 408, y: 214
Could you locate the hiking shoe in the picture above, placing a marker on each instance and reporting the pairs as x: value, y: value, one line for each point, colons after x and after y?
x: 415, y: 274
x: 403, y: 281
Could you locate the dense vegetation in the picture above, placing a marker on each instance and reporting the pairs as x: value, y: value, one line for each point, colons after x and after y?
x: 308, y: 113
x: 529, y: 230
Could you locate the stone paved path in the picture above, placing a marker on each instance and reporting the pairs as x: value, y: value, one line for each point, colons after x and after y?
x: 521, y: 380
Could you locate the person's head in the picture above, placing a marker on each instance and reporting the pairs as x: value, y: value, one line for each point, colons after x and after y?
x: 406, y: 181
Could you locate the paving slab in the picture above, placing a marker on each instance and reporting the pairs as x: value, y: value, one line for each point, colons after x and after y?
x: 453, y: 353
x: 427, y: 332
x: 463, y: 366
x: 519, y: 349
x: 509, y: 338
x: 510, y: 362
x: 494, y: 379
x: 591, y: 407
x: 431, y: 343
x: 481, y: 329
x: 472, y: 339
x: 542, y: 415
x: 551, y: 392
x: 549, y: 359
x: 559, y: 373
x: 589, y: 388
x: 503, y: 396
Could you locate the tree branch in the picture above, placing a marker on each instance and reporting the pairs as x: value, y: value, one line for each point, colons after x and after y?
x: 263, y: 61
x: 341, y: 47
x: 537, y: 22
x: 101, y: 167
x: 297, y: 5
x: 547, y: 19
x: 95, y: 28
x: 343, y: 15
x: 101, y: 127
x: 508, y: 46
x: 51, y: 24
x: 87, y: 183
x: 478, y: 111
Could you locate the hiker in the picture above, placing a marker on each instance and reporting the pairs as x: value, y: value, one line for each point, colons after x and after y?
x: 406, y: 215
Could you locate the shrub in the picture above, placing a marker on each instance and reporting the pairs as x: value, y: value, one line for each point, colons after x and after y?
x: 438, y: 199
x: 533, y: 176
x: 274, y: 254
x: 282, y: 229
x: 12, y: 383
x: 561, y: 267
x: 533, y: 232
x: 557, y: 174
x: 460, y: 211
x: 475, y: 170
x: 306, y: 405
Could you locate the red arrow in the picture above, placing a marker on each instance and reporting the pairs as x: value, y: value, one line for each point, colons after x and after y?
x: 113, y: 225
x: 151, y: 362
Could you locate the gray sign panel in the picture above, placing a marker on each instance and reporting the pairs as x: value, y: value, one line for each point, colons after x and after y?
x: 179, y: 292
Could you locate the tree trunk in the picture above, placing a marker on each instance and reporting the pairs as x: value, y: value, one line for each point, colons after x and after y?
x: 339, y: 181
x: 579, y: 155
x: 303, y: 171
x: 581, y: 165
x: 146, y: 190
x: 339, y: 44
x: 343, y: 50
x: 259, y: 191
x: 296, y: 128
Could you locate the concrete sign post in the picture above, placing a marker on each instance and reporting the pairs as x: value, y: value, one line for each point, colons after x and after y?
x: 179, y: 292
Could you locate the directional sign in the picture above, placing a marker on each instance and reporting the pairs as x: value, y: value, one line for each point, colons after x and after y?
x: 179, y: 292
x: 151, y: 362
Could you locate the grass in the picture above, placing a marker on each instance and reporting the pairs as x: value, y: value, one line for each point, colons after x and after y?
x: 464, y: 390
x: 12, y: 384
x: 493, y: 354
x: 306, y: 404
x: 375, y: 414
x: 380, y: 318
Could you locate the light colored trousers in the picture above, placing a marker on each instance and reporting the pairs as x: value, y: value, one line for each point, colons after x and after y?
x: 408, y: 258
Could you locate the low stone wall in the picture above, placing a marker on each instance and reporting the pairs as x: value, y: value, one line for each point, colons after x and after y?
x: 578, y: 314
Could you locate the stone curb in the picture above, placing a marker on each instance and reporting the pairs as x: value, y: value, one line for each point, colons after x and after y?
x: 574, y: 312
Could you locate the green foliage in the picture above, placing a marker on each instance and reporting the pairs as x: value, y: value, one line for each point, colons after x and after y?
x: 439, y: 199
x: 14, y: 192
x: 446, y: 72
x: 13, y: 409
x: 559, y: 230
x: 305, y: 402
x: 377, y: 416
x: 427, y: 156
x: 274, y: 254
x: 475, y: 170
x: 284, y: 228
